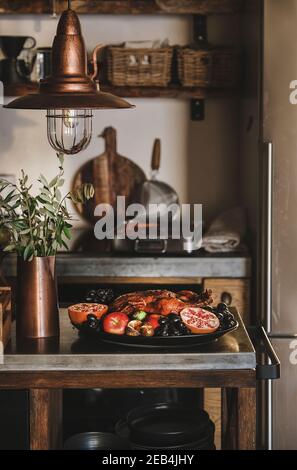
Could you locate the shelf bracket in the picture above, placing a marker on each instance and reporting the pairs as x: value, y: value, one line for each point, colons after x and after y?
x: 200, y: 37
x: 200, y: 34
x: 197, y: 109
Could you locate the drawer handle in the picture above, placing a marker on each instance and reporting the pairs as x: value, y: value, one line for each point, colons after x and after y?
x: 226, y: 297
x: 268, y: 369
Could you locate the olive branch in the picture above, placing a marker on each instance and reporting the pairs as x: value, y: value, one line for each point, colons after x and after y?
x: 39, y: 225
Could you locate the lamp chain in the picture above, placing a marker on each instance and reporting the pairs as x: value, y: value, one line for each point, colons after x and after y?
x: 54, y: 7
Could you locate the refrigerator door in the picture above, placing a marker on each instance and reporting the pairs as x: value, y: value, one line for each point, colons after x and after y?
x: 284, y: 392
x: 280, y: 128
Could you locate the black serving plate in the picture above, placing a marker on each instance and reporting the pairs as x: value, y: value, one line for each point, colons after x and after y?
x: 156, y: 341
x: 95, y: 441
x: 166, y: 426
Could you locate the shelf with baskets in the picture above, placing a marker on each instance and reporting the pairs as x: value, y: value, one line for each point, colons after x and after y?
x: 168, y: 72
x: 171, y: 91
x: 202, y: 66
x: 123, y: 7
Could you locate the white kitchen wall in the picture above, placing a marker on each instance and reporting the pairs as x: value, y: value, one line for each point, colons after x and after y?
x: 193, y: 154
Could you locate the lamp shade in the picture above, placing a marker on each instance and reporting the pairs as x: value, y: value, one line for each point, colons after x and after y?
x: 69, y: 86
x: 96, y: 100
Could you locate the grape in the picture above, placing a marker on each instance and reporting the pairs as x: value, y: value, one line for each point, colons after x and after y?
x: 105, y: 296
x: 210, y: 309
x: 173, y: 317
x: 220, y: 316
x: 222, y: 307
x: 92, y: 321
x: 228, y: 317
x: 158, y: 331
x: 230, y: 324
x: 100, y: 296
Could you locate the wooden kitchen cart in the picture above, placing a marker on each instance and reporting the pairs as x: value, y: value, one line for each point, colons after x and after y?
x: 46, y: 367
x: 228, y: 275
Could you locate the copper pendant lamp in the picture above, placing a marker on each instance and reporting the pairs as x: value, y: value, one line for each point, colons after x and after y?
x: 69, y: 95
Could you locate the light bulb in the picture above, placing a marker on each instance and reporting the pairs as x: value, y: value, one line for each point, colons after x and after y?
x: 69, y: 118
x: 69, y: 130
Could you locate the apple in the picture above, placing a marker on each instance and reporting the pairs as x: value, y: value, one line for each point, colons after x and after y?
x: 115, y: 323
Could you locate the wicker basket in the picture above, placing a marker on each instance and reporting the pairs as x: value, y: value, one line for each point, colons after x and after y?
x: 139, y: 67
x: 217, y: 67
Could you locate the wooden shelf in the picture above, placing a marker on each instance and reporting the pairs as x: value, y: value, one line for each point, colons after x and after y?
x: 122, y: 7
x: 172, y: 91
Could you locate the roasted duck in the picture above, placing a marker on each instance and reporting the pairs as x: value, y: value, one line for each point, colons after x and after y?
x: 162, y: 302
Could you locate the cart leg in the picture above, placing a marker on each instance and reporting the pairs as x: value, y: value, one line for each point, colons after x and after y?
x: 239, y: 418
x: 213, y: 406
x: 45, y: 419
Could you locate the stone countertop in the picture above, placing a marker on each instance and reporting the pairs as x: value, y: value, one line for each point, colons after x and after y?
x: 234, y: 351
x: 235, y: 265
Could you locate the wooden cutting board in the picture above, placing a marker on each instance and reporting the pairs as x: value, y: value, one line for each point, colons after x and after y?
x: 111, y: 174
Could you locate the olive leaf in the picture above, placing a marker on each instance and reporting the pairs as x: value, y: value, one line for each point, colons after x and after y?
x: 9, y: 248
x: 43, y: 181
x: 54, y: 181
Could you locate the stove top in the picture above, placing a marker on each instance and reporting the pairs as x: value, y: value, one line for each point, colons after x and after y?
x: 84, y: 242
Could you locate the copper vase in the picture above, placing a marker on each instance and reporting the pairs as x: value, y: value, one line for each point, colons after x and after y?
x: 37, y: 301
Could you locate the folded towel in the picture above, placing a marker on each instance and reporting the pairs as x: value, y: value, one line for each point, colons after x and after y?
x: 226, y: 232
